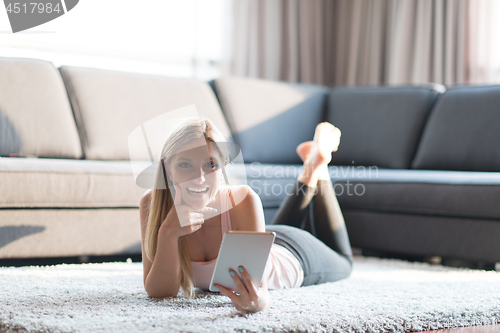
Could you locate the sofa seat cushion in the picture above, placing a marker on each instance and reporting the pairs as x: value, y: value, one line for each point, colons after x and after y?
x: 35, y: 113
x: 54, y: 183
x: 440, y: 193
x: 109, y: 105
x: 272, y: 182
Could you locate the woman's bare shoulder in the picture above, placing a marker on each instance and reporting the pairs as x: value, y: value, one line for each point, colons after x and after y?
x: 242, y: 194
x: 248, y: 212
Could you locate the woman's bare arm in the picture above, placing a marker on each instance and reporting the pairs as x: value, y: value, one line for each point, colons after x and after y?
x: 248, y: 215
x: 162, y: 276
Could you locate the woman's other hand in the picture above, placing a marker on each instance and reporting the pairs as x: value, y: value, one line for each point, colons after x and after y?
x: 182, y: 219
x: 247, y: 297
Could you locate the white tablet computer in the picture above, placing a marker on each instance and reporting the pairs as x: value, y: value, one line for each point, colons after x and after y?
x: 242, y: 248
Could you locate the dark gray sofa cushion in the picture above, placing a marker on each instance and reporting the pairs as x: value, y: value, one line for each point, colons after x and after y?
x: 463, y: 131
x: 271, y: 181
x: 270, y: 119
x: 421, y: 192
x: 380, y: 125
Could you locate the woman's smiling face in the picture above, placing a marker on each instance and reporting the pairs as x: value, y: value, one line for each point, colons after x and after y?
x: 196, y: 171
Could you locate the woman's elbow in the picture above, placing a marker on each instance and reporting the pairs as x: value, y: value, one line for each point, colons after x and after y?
x: 160, y: 293
x: 155, y: 295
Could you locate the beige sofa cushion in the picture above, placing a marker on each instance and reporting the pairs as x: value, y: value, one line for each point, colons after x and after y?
x: 35, y: 113
x: 53, y: 183
x: 109, y: 105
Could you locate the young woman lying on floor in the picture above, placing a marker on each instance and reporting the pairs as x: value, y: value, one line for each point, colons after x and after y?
x: 176, y: 256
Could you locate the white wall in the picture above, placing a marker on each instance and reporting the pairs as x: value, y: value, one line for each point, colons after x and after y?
x: 181, y: 38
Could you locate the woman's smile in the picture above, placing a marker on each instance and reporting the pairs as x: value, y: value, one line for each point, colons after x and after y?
x: 198, y: 196
x: 197, y: 191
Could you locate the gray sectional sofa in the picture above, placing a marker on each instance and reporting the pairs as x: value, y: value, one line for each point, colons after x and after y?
x: 417, y: 172
x: 425, y: 161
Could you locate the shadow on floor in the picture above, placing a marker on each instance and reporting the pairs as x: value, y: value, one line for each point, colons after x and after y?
x: 68, y: 260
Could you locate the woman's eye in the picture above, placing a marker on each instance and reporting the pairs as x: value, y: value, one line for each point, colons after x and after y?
x: 183, y: 165
x: 213, y: 165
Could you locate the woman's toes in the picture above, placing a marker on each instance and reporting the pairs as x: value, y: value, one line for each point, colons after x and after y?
x: 303, y: 150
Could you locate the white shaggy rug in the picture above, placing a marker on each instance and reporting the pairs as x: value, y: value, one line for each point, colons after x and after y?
x: 380, y: 296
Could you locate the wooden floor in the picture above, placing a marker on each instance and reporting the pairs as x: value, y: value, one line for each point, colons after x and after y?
x: 471, y: 329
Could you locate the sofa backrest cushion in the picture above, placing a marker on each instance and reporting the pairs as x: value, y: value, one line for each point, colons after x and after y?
x: 269, y: 119
x: 463, y: 131
x: 380, y: 126
x: 35, y: 114
x: 109, y: 105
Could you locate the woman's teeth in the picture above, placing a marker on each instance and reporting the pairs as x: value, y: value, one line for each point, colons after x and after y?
x: 197, y: 190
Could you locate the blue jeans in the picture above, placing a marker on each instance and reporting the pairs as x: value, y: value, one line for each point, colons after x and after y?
x: 309, y: 223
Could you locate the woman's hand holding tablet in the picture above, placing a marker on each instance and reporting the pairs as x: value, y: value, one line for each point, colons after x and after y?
x: 240, y: 267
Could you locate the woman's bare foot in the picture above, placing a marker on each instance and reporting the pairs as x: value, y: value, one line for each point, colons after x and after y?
x: 317, y: 154
x: 326, y: 141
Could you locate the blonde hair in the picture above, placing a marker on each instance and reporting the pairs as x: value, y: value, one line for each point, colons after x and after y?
x: 162, y: 201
